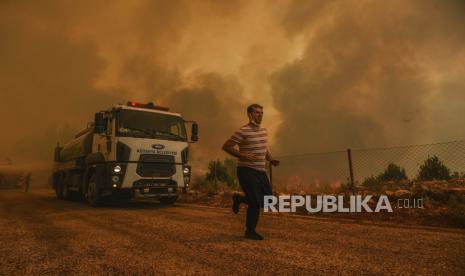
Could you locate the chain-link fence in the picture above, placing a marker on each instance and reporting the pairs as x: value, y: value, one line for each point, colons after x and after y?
x: 330, y: 170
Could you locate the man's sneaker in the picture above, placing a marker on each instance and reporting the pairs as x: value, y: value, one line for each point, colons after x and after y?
x: 236, y: 203
x: 252, y: 235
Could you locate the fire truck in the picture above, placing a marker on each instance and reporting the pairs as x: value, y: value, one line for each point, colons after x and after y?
x: 129, y: 151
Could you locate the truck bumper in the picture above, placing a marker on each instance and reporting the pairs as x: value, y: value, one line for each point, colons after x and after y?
x: 153, y: 193
x: 147, y: 194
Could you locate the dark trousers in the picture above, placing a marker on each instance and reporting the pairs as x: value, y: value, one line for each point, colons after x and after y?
x: 255, y: 185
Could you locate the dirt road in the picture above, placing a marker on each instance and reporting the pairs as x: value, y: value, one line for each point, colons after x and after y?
x: 42, y: 235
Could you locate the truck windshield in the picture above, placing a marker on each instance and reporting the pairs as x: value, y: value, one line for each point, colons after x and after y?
x: 132, y: 123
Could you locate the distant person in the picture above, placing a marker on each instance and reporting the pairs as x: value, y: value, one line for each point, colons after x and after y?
x: 253, y: 153
x: 26, y: 180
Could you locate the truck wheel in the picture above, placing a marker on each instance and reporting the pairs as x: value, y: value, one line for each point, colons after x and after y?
x: 65, y: 192
x: 93, y: 198
x: 168, y: 200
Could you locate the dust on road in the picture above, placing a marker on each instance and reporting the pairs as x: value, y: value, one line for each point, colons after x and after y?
x: 42, y: 235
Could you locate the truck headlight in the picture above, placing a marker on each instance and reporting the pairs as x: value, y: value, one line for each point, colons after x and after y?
x: 117, y: 169
x: 187, y: 170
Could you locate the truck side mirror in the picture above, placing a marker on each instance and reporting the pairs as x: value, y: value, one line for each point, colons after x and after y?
x: 100, y: 123
x: 195, y: 132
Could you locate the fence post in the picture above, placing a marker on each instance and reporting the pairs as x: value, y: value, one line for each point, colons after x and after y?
x: 214, y: 170
x: 271, y: 175
x: 351, y: 170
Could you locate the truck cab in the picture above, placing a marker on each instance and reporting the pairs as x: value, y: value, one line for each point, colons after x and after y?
x: 132, y: 150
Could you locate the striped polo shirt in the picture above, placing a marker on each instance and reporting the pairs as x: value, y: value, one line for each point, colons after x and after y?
x: 252, y: 140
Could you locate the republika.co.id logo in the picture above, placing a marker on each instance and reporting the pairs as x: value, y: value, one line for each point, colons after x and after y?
x: 158, y: 146
x: 332, y: 203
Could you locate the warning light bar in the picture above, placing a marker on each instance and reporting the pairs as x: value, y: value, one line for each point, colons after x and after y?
x: 147, y: 105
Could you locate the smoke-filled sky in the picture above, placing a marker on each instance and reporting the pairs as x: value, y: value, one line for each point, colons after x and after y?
x: 330, y: 74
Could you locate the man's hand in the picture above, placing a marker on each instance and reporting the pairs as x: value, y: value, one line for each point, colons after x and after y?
x: 249, y: 157
x: 274, y: 162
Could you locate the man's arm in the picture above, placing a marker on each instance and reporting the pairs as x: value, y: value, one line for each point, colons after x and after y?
x: 270, y: 158
x: 229, y: 147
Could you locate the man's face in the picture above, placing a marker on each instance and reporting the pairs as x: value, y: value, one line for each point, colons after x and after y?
x: 256, y: 116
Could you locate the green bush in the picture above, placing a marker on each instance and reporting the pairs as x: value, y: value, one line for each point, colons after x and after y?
x: 371, y: 182
x: 231, y: 170
x: 217, y: 171
x: 221, y: 175
x: 433, y: 169
x: 392, y: 173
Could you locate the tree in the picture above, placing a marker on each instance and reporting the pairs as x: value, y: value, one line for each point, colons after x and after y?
x: 231, y: 168
x: 392, y: 173
x: 217, y: 171
x: 433, y: 169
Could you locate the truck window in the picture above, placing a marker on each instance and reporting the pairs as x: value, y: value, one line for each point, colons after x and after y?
x: 133, y: 123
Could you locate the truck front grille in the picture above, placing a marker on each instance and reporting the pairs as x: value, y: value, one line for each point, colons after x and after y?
x: 154, y: 165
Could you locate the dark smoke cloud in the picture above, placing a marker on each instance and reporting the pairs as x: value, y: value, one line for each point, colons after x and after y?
x: 46, y: 84
x: 214, y: 102
x: 367, y: 75
x: 61, y: 63
x: 335, y: 74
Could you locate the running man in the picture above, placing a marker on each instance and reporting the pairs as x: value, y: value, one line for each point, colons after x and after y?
x: 253, y: 153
